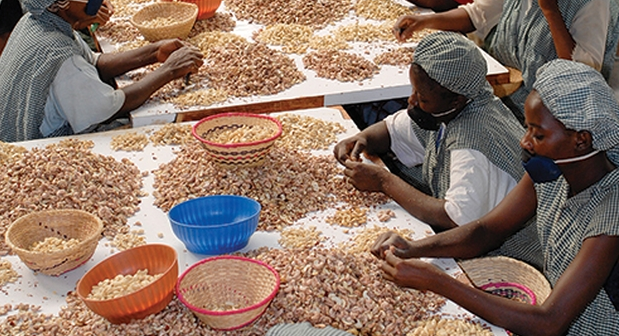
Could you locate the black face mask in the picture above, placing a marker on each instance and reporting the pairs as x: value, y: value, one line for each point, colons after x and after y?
x: 423, y: 119
x: 429, y: 121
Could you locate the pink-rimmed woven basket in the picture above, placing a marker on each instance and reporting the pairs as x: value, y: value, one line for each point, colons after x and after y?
x: 245, y: 154
x: 507, y: 277
x: 228, y: 292
x: 511, y: 290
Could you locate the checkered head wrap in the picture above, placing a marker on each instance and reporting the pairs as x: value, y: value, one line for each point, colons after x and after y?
x: 454, y: 62
x: 579, y: 97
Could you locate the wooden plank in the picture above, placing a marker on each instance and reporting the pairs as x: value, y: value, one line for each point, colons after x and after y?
x: 499, y: 79
x: 264, y: 107
x: 342, y: 111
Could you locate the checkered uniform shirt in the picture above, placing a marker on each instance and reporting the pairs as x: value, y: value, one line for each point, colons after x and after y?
x: 526, y: 45
x: 38, y: 46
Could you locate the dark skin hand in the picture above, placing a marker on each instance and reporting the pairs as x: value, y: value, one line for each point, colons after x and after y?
x: 178, y: 60
x: 473, y: 239
x: 375, y: 141
x: 456, y: 20
x: 371, y: 177
x: 586, y: 273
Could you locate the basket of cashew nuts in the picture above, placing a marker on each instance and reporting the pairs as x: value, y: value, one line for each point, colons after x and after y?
x: 165, y: 20
x: 53, y: 242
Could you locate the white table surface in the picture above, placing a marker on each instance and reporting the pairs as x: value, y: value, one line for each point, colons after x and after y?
x: 390, y: 82
x: 49, y: 292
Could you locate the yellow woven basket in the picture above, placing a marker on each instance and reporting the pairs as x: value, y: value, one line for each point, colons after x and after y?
x: 63, y: 224
x: 507, y: 277
x: 228, y: 292
x: 165, y: 20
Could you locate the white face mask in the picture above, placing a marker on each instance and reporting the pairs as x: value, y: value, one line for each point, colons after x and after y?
x: 576, y: 159
x: 448, y: 112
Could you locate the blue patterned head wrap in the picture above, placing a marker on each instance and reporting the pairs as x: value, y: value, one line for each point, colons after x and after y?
x: 454, y: 62
x: 579, y: 97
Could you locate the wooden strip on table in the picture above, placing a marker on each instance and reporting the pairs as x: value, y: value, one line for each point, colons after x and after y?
x: 265, y: 107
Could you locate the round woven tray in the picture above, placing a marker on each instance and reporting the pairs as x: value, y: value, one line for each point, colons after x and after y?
x: 63, y: 224
x: 182, y: 14
x: 228, y: 292
x: 246, y: 154
x: 503, y: 275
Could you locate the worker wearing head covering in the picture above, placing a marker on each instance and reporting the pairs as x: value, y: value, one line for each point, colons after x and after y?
x: 51, y: 83
x: 580, y: 99
x: 462, y: 136
x: 25, y: 92
x: 572, y: 186
x: 526, y: 34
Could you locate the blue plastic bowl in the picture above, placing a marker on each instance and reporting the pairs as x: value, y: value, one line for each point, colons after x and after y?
x: 214, y: 225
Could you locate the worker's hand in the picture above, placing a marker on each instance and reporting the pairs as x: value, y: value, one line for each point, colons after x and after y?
x: 407, y: 25
x: 187, y: 59
x: 391, y: 241
x: 105, y: 12
x: 103, y: 15
x: 350, y: 149
x: 166, y: 47
x: 412, y: 273
x: 365, y: 176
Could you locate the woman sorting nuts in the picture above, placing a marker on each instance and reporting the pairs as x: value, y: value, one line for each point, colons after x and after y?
x: 570, y: 153
x: 52, y: 84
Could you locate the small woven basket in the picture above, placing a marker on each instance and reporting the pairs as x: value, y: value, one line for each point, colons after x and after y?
x: 181, y: 17
x: 63, y: 224
x: 507, y: 277
x: 228, y: 292
x: 246, y: 154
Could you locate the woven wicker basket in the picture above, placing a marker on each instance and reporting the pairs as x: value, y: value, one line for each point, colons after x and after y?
x: 247, y: 154
x: 242, y: 285
x: 64, y: 224
x: 182, y: 14
x: 507, y: 277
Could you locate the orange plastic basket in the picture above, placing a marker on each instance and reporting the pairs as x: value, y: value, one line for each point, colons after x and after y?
x: 151, y: 299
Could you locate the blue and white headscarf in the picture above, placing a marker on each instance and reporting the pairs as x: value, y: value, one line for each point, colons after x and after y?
x: 579, y: 97
x: 39, y: 44
x: 445, y: 56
